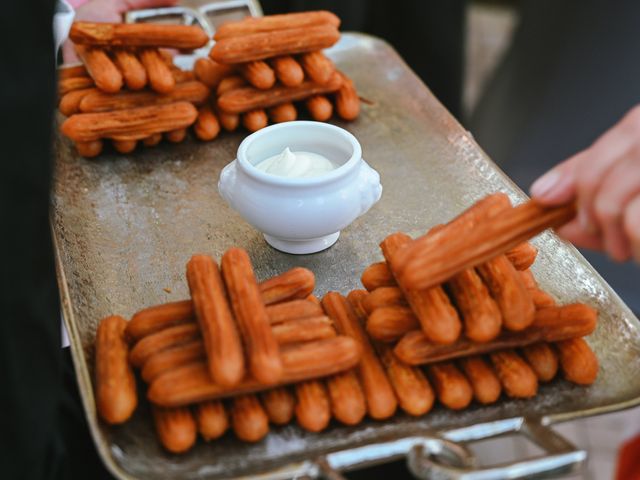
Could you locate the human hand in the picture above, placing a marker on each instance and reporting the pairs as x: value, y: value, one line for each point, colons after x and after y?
x: 605, y: 180
x: 110, y: 11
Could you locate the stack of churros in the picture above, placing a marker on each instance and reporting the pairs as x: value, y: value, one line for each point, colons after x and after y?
x: 128, y: 87
x: 242, y: 355
x: 478, y: 312
x: 129, y: 91
x: 261, y: 66
x: 234, y: 338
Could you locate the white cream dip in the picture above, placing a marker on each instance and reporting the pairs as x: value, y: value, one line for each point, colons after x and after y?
x: 296, y: 164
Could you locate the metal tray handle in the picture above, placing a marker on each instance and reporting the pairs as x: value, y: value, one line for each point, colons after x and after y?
x: 331, y: 465
x: 445, y: 456
x: 199, y: 15
x: 561, y: 457
x: 202, y: 16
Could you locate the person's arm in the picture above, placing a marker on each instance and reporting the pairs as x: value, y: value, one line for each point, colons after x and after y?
x: 605, y: 180
x: 30, y: 354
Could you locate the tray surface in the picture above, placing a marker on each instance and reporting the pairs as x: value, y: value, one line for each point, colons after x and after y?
x: 125, y: 226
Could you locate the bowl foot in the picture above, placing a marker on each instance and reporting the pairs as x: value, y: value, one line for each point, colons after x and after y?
x: 301, y: 247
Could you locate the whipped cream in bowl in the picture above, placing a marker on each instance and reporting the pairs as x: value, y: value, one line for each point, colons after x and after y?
x: 296, y: 164
x: 300, y: 183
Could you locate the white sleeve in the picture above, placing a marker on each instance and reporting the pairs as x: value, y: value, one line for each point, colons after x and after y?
x: 62, y: 20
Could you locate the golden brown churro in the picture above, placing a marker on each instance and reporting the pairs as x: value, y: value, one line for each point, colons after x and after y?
x: 225, y: 356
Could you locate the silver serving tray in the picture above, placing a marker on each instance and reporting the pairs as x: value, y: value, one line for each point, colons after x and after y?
x: 125, y: 226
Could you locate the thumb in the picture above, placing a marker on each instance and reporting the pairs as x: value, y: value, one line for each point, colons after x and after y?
x: 558, y: 185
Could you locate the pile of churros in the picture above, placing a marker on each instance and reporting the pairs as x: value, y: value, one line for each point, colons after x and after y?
x: 129, y: 91
x: 464, y: 292
x: 233, y: 338
x: 261, y: 66
x: 241, y: 355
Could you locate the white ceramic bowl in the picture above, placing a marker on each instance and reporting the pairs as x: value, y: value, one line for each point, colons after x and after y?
x: 300, y: 215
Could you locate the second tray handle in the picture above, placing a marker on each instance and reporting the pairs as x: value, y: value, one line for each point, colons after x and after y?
x: 561, y: 456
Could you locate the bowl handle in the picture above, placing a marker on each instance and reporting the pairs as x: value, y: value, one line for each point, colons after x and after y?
x: 369, y: 186
x: 227, y: 182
